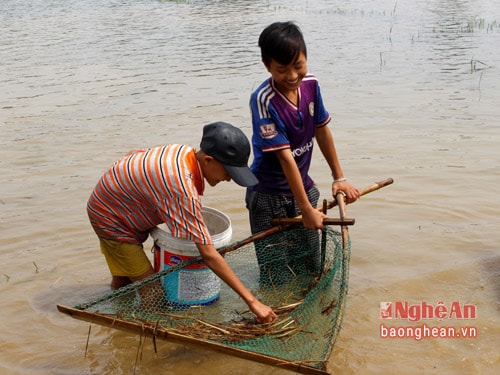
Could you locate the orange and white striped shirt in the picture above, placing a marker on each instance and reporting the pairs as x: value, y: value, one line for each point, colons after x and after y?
x: 147, y: 188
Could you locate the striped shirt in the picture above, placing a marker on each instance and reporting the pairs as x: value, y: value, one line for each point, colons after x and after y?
x: 279, y: 124
x: 147, y: 188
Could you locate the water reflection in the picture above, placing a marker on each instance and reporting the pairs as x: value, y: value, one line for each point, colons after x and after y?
x: 453, y: 39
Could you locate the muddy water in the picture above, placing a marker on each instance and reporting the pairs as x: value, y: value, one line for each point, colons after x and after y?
x: 413, y: 87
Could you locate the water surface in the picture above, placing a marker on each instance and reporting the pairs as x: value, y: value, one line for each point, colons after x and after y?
x: 413, y: 88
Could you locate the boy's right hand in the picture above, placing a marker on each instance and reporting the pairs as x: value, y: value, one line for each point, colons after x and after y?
x: 263, y: 312
x: 313, y: 219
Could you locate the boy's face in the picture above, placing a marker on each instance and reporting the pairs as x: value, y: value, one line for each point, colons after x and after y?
x: 214, y: 171
x: 288, y: 77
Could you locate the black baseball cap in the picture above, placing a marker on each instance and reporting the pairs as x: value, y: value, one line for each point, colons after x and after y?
x: 229, y: 145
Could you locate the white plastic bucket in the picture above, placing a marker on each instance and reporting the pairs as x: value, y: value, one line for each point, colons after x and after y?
x: 195, y: 284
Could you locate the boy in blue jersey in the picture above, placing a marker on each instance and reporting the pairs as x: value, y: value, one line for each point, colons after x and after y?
x: 287, y: 115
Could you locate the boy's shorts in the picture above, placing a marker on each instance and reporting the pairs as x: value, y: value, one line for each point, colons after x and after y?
x: 125, y: 259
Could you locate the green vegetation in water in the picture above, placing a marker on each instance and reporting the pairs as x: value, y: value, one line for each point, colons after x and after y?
x: 479, y: 24
x: 476, y: 65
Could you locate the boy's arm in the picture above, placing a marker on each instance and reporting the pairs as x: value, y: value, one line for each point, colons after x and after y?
x: 311, y: 218
x: 326, y: 144
x: 220, y: 267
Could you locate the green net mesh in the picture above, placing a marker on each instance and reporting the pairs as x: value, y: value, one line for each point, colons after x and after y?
x: 302, y: 274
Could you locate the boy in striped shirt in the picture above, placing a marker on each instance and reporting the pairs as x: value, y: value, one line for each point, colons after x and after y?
x: 164, y: 185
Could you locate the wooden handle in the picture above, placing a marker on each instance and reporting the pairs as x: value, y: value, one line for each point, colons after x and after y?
x: 333, y: 203
x: 284, y: 222
x: 366, y: 190
x: 341, y: 202
x: 327, y: 221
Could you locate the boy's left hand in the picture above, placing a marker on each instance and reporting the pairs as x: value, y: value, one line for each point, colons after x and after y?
x: 351, y: 193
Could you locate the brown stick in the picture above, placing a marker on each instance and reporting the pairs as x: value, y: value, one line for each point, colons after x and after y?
x: 366, y: 190
x: 280, y: 227
x: 172, y: 336
x: 253, y: 238
x: 340, y: 198
x: 333, y: 203
x: 327, y: 221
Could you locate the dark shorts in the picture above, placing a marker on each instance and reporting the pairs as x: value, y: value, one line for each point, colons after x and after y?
x: 292, y: 252
x: 263, y: 207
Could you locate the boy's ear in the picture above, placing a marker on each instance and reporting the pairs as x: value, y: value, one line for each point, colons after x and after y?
x: 207, y: 159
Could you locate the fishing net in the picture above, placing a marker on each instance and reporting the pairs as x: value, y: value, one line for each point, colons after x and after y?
x: 302, y: 274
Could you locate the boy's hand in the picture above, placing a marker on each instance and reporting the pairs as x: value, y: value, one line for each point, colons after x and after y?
x: 313, y: 219
x: 351, y: 192
x: 263, y: 312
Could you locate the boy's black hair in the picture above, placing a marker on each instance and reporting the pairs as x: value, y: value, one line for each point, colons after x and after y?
x: 283, y: 42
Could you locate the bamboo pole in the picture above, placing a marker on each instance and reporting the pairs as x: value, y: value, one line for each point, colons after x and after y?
x: 152, y: 330
x: 376, y: 186
x: 279, y: 226
x: 327, y: 221
x: 341, y: 203
x: 333, y: 203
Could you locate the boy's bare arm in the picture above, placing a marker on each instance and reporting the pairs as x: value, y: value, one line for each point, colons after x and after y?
x: 312, y: 218
x: 326, y: 144
x: 220, y: 267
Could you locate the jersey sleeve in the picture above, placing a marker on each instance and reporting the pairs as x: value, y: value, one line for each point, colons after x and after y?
x: 269, y: 131
x: 323, y: 117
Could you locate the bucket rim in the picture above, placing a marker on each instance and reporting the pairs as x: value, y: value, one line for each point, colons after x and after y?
x: 165, y: 239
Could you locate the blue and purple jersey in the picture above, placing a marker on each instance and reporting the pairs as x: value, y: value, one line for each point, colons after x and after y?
x: 279, y: 124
